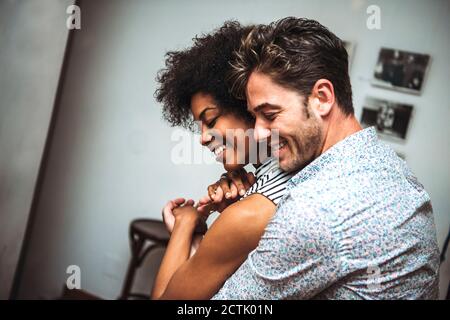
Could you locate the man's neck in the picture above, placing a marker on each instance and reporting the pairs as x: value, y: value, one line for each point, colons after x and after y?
x: 340, y: 127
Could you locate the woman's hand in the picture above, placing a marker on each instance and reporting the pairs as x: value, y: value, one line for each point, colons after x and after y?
x: 230, y: 187
x: 186, y: 214
x: 189, y: 216
x: 167, y: 211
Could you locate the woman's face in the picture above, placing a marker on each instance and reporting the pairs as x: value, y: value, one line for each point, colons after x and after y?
x: 223, y: 133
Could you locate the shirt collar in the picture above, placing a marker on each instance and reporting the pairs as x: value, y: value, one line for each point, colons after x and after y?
x: 350, y: 146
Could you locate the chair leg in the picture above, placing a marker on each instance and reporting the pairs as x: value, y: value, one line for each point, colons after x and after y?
x: 136, y: 246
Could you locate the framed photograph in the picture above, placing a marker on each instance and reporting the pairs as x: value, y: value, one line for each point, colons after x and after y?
x: 401, y: 70
x: 389, y: 118
x: 350, y: 47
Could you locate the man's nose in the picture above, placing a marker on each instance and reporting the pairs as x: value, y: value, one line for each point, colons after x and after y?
x: 261, y: 131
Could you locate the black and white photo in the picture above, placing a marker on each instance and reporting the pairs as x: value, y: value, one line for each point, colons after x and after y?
x: 389, y: 118
x: 401, y: 70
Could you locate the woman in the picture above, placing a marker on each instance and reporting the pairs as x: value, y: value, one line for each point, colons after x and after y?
x: 193, y: 87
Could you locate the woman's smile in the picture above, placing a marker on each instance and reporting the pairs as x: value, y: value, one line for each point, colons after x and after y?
x: 219, y: 152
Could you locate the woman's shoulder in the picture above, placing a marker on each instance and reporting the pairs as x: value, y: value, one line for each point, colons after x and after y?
x: 247, y: 213
x: 240, y: 226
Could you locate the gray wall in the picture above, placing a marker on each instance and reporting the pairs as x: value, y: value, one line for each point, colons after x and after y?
x: 110, y: 157
x: 33, y: 37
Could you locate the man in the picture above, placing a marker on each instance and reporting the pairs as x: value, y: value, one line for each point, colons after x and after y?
x: 355, y: 223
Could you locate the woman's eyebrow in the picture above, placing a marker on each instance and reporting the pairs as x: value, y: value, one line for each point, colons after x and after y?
x: 202, y: 114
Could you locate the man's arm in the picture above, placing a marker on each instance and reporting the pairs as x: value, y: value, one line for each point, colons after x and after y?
x: 225, y: 246
x: 298, y: 256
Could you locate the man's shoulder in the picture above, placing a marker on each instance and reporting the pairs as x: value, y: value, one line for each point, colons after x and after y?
x: 361, y: 183
x: 348, y: 171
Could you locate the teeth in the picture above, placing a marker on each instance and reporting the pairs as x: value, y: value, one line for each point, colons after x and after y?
x: 218, y: 150
x: 280, y: 145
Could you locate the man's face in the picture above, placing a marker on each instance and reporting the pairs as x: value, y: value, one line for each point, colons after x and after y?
x: 278, y: 108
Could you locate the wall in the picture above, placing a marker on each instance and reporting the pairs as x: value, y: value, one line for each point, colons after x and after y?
x: 32, y: 41
x: 110, y: 157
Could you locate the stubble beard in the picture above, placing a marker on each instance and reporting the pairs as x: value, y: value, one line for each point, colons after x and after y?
x: 307, y: 143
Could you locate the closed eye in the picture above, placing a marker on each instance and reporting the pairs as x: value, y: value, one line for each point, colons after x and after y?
x: 212, y: 123
x: 270, y: 116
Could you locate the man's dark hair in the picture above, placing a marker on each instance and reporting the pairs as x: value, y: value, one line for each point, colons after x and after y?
x: 201, y: 68
x: 295, y: 53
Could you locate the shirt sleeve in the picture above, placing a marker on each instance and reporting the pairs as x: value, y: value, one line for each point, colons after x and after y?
x: 275, y: 187
x: 271, y: 185
x: 295, y: 259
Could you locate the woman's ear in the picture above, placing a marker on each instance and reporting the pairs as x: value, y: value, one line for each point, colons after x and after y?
x: 323, y: 95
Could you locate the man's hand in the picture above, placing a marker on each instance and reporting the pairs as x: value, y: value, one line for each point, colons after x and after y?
x: 167, y: 212
x: 230, y: 187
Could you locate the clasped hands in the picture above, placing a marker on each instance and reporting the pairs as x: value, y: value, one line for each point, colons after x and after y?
x: 227, y: 190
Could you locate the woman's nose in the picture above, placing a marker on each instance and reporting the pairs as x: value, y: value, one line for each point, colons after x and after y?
x: 205, y: 137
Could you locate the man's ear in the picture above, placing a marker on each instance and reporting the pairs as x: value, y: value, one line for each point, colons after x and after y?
x: 322, y: 96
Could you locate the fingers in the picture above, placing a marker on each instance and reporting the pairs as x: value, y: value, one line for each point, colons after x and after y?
x: 234, y: 190
x: 218, y: 195
x: 203, y: 209
x: 244, y: 177
x: 251, y: 178
x: 215, y: 192
x: 224, y: 185
x: 173, y: 204
x: 167, y: 213
x: 168, y: 207
x: 204, y: 200
x: 212, y: 190
x: 237, y: 179
x: 178, y: 201
x: 207, y: 209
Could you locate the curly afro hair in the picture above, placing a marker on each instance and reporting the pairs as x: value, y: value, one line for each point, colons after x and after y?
x: 204, y: 67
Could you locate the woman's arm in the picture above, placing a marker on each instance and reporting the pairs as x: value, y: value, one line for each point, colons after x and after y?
x: 178, y: 249
x: 223, y: 249
x: 196, y: 240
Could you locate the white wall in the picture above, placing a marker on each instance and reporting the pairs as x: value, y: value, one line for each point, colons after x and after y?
x: 110, y: 156
x: 32, y: 42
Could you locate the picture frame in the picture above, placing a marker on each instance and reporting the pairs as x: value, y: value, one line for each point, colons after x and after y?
x: 402, y: 71
x: 391, y: 119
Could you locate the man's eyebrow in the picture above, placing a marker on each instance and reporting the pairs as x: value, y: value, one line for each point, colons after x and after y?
x: 265, y: 105
x: 202, y: 114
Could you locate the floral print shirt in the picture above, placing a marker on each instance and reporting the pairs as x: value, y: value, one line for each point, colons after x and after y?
x: 353, y: 224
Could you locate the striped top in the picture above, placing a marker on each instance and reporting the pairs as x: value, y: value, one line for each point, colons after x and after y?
x: 270, y: 181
